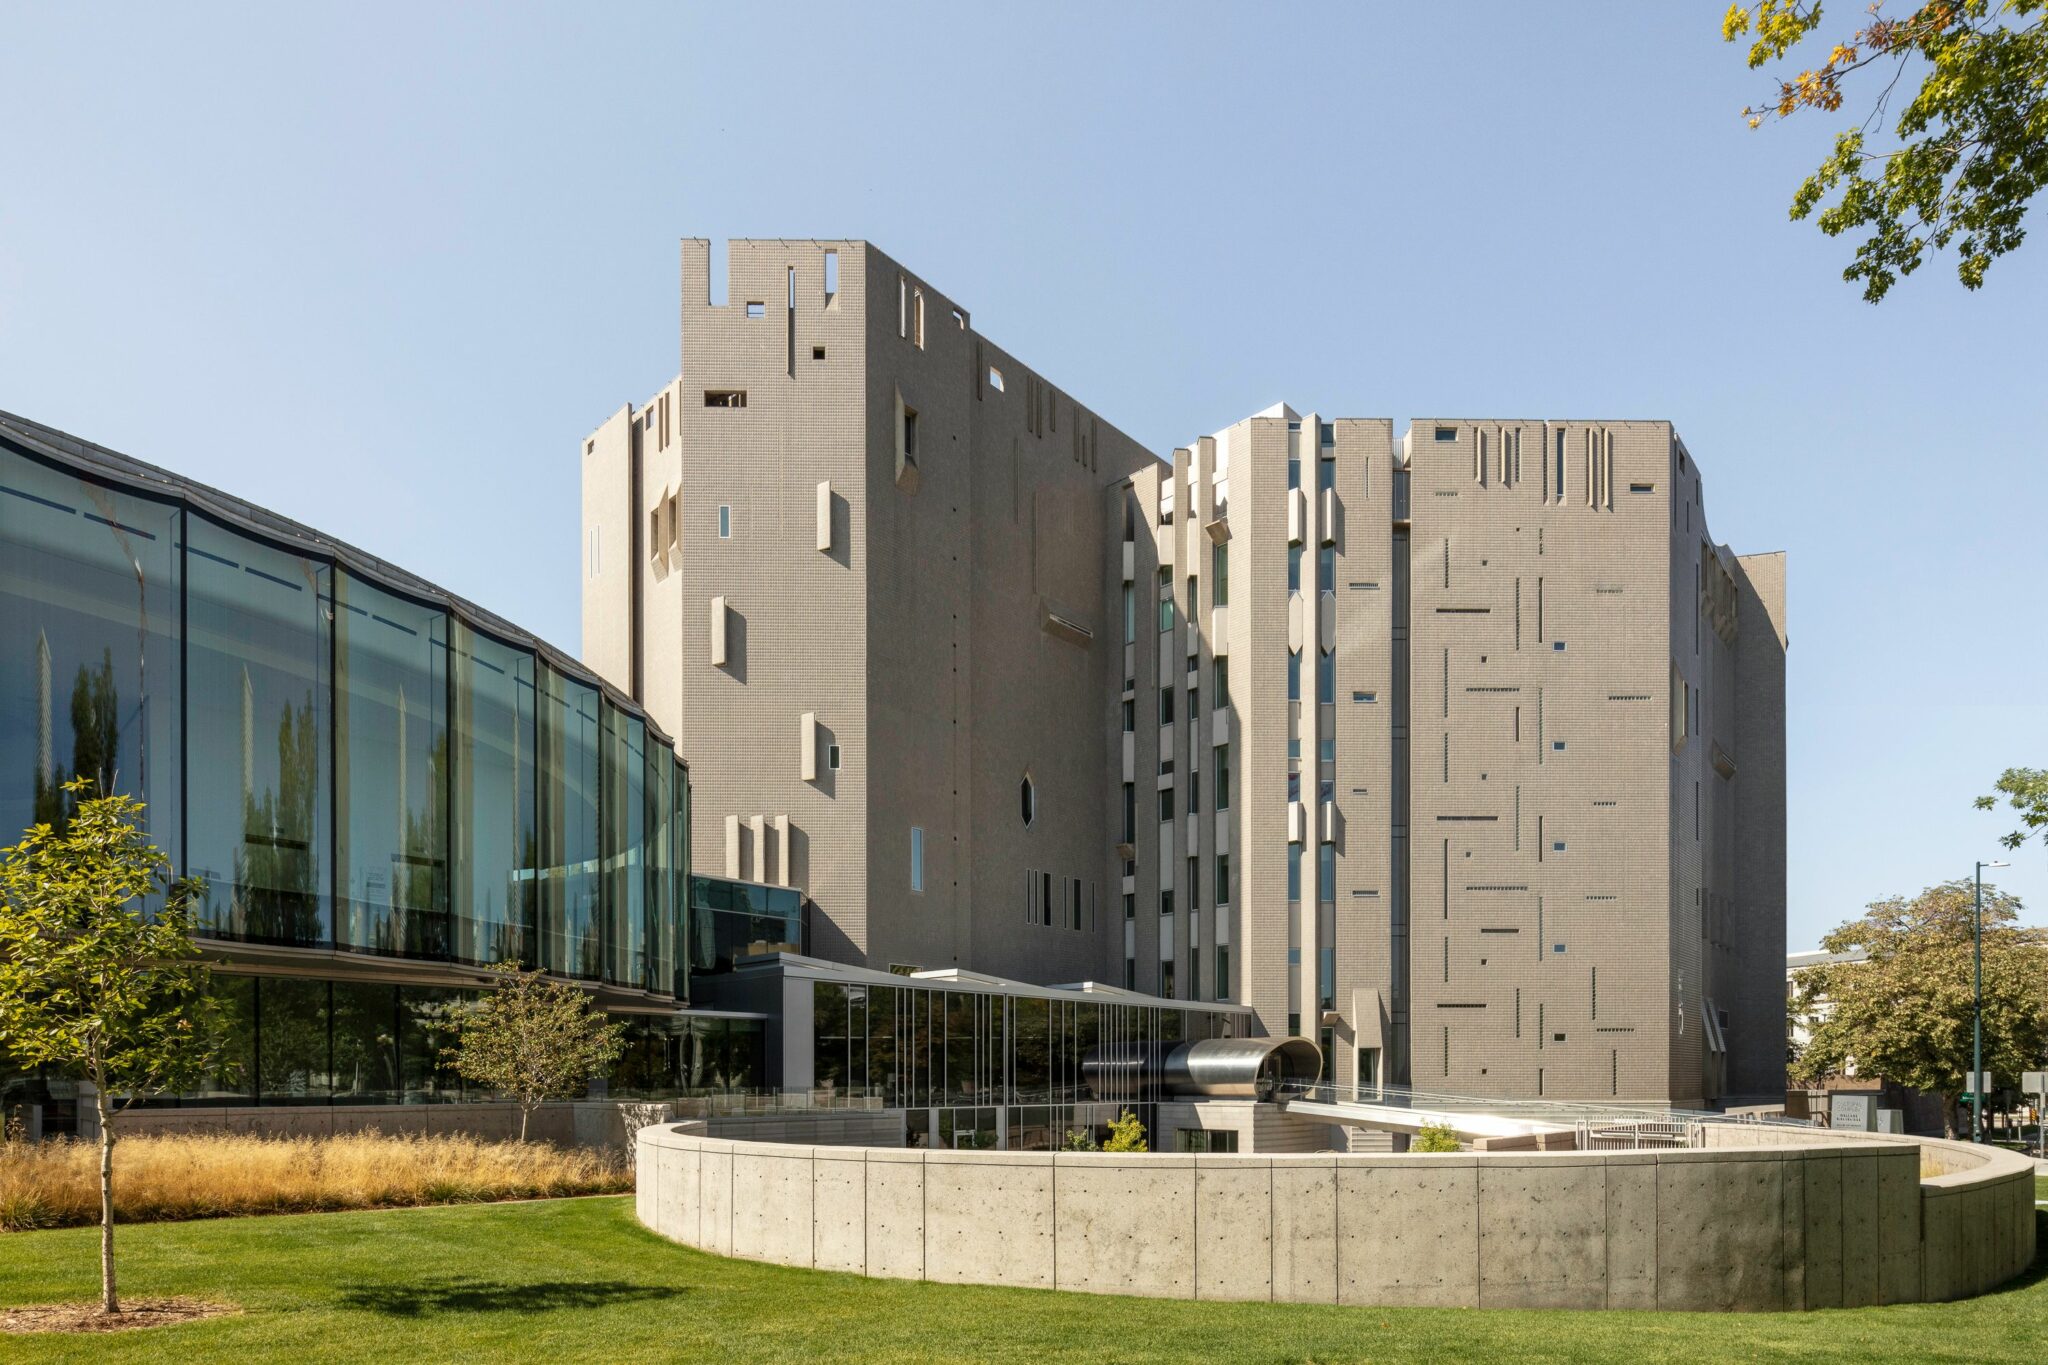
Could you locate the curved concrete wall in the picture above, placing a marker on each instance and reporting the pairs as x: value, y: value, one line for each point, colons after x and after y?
x: 1778, y: 1226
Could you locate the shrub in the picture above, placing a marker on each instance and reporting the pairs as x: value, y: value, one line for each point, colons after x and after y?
x: 176, y: 1176
x: 1436, y: 1137
x: 1126, y: 1134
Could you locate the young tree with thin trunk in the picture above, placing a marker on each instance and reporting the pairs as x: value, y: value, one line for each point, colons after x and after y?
x: 1904, y: 1011
x: 92, y: 983
x: 535, y: 1040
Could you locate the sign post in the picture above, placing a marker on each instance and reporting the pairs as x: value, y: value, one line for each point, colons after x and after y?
x: 2035, y: 1083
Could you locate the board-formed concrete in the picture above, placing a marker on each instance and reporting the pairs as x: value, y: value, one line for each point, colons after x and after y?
x: 1758, y: 1219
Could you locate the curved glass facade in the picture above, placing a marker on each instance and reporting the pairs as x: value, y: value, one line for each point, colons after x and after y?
x: 348, y: 759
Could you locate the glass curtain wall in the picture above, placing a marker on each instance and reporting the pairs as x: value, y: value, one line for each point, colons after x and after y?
x: 298, y: 1041
x: 391, y: 771
x: 494, y: 900
x: 258, y: 665
x: 336, y: 763
x: 922, y: 1047
x: 570, y: 781
x: 624, y: 811
x: 89, y: 648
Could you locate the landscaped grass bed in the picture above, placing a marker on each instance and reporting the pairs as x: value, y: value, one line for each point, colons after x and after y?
x: 212, y: 1175
x: 580, y: 1280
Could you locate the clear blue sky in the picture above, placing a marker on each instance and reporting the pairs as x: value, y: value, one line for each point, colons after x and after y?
x: 380, y: 268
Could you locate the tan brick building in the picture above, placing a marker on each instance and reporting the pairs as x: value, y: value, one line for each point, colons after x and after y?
x: 1461, y: 752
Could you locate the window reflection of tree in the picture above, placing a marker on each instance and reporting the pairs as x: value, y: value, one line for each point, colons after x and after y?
x: 276, y: 868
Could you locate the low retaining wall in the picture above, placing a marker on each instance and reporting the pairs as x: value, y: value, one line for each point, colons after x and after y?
x: 1760, y: 1227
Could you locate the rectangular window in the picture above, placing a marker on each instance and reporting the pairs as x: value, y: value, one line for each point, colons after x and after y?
x: 1130, y: 813
x: 917, y: 318
x: 1194, y: 973
x: 916, y: 859
x: 1326, y: 872
x: 1165, y: 599
x: 725, y: 522
x: 1219, y: 574
x: 1166, y: 706
x: 1194, y: 793
x: 756, y: 309
x: 902, y: 306
x: 1130, y: 715
x: 1074, y: 904
x: 1294, y: 677
x: 1194, y: 883
x: 910, y: 433
x: 1365, y: 698
x: 1166, y: 901
x: 1166, y: 979
x: 1222, y: 971
x: 1130, y: 614
x: 1294, y: 872
x: 1130, y: 905
x: 1447, y: 433
x: 832, y: 757
x: 1294, y: 568
x: 1130, y: 973
x: 1223, y: 777
x: 1326, y: 473
x: 1326, y: 678
x: 1326, y: 569
x: 725, y: 398
x: 831, y: 275
x: 1165, y: 804
x: 995, y: 379
x: 1222, y: 889
x: 1222, y: 687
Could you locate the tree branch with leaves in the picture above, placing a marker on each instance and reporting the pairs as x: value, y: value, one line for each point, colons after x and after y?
x: 1969, y: 149
x: 92, y: 983
x: 2026, y: 791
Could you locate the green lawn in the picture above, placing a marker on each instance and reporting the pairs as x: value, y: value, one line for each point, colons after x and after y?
x: 578, y: 1279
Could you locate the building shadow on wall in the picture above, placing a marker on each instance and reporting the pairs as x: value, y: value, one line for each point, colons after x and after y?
x: 468, y: 1294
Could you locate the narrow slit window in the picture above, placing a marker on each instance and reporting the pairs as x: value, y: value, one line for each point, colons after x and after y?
x: 831, y: 275
x: 725, y: 521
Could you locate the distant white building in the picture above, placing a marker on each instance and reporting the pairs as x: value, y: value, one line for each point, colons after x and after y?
x: 1802, y: 1020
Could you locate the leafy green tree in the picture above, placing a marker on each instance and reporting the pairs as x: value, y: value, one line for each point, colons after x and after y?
x: 1436, y: 1137
x: 2026, y: 791
x: 1969, y: 150
x: 91, y: 983
x: 1126, y: 1134
x: 1904, y: 1012
x: 534, y: 1039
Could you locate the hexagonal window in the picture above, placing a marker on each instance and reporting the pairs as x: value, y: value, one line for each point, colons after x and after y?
x: 1027, y: 798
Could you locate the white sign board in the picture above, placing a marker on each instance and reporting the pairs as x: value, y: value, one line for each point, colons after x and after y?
x: 1855, y: 1113
x: 1978, y: 1082
x: 2035, y: 1082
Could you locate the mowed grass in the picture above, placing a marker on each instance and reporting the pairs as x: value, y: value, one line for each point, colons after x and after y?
x: 578, y: 1279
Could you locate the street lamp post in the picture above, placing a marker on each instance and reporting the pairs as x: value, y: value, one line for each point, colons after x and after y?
x: 1977, y: 1013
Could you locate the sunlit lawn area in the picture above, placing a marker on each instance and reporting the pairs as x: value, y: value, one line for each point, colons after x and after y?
x: 578, y: 1279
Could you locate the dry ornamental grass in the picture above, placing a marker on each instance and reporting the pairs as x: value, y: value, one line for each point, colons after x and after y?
x: 158, y: 1178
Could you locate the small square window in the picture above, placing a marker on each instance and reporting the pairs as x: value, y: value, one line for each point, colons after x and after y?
x: 995, y: 379
x: 1557, y: 948
x: 1557, y: 1037
x: 757, y: 310
x: 1557, y: 745
x: 725, y: 522
x: 817, y: 352
x: 1557, y: 646
x: 1557, y: 846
